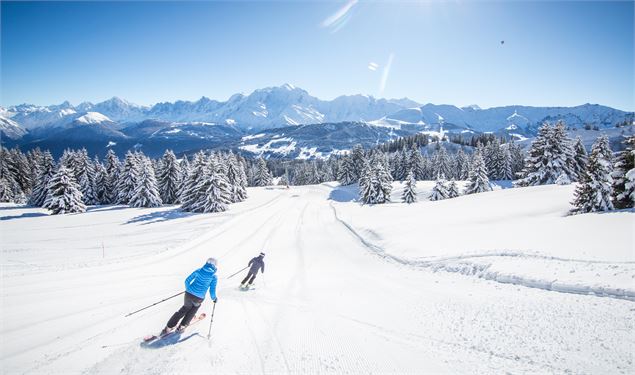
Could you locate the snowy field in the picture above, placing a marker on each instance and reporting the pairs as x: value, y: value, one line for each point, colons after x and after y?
x: 490, y: 283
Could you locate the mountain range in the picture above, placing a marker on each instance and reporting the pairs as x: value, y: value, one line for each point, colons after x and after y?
x: 275, y: 121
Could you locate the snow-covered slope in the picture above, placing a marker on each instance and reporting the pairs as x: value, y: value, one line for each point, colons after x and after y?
x: 11, y: 129
x: 92, y: 118
x: 335, y: 297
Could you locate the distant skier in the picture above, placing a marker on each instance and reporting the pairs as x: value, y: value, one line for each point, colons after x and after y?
x: 199, y: 282
x: 255, y: 264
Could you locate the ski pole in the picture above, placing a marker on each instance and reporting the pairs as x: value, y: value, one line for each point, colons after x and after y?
x: 237, y: 272
x: 209, y: 333
x: 156, y: 303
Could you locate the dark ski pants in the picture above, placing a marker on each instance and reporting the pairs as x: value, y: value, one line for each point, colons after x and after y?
x: 250, y: 278
x: 187, y: 311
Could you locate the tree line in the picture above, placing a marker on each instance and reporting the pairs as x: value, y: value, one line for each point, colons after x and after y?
x: 209, y: 182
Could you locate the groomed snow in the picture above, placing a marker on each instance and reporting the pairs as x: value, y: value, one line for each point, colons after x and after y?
x: 334, y: 299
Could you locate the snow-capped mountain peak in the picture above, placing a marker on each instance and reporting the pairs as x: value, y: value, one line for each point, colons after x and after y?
x: 92, y: 118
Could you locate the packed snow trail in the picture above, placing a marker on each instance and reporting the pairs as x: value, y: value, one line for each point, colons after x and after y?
x: 324, y: 305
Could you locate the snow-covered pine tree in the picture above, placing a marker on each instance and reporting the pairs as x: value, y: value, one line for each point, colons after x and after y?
x: 580, y: 158
x: 564, y: 147
x: 146, y: 193
x: 193, y: 192
x: 442, y: 164
x: 551, y: 155
x: 262, y: 176
x: 169, y: 178
x: 624, y: 176
x: 238, y: 193
x: 376, y: 182
x: 506, y: 171
x: 478, y: 175
x: 64, y: 195
x: 217, y: 194
x: 594, y: 189
x: 34, y: 158
x: 112, y: 175
x: 101, y: 181
x: 127, y: 181
x: 358, y: 155
x: 366, y: 184
x: 416, y: 163
x: 85, y: 175
x: 46, y: 171
x: 440, y: 190
x: 347, y: 174
x: 453, y: 189
x: 494, y: 159
x: 10, y: 190
x: 20, y: 169
x: 406, y: 164
x: 462, y: 165
x: 518, y: 158
x: 409, y: 194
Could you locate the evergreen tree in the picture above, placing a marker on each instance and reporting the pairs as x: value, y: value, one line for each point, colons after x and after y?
x: 85, y: 175
x: 623, y: 176
x: 127, y: 181
x: 439, y: 191
x: 478, y: 175
x: 19, y: 167
x: 580, y: 158
x: 375, y: 184
x: 169, y: 180
x: 442, y: 162
x: 262, y: 176
x: 146, y: 193
x: 494, y: 160
x: 238, y: 192
x: 46, y: 171
x: 594, y: 189
x: 10, y: 190
x: 550, y: 156
x: 101, y: 182
x: 506, y: 172
x: 453, y: 189
x: 194, y: 188
x: 416, y: 164
x: 462, y: 165
x: 358, y: 156
x: 517, y: 158
x: 217, y: 194
x: 111, y: 177
x: 64, y: 195
x: 346, y: 171
x: 410, y: 189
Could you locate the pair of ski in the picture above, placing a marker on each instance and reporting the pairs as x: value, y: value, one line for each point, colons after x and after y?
x: 154, y: 338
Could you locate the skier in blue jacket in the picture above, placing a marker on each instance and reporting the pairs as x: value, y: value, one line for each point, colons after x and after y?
x: 199, y: 282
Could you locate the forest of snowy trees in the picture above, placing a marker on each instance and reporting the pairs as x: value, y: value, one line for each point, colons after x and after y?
x: 209, y: 182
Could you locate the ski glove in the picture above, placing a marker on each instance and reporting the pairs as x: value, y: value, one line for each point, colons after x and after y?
x: 215, y: 299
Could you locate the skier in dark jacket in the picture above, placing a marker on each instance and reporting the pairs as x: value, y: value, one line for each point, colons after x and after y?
x: 255, y: 264
x: 199, y: 282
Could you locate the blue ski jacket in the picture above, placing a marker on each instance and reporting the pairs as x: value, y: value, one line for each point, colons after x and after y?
x: 201, y: 280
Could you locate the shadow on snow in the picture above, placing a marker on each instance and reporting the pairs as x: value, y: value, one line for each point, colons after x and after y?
x: 172, y: 339
x: 160, y: 216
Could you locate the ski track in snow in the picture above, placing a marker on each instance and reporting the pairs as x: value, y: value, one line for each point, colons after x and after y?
x: 326, y: 304
x: 462, y: 264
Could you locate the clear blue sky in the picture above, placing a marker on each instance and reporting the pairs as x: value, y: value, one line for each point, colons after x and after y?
x: 555, y: 53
